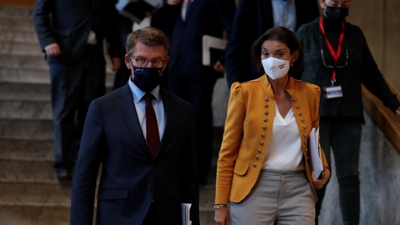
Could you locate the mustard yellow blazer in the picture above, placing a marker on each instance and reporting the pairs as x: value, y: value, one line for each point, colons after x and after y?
x: 248, y: 130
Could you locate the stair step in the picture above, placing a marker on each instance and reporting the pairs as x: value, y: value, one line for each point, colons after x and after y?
x: 26, y: 148
x: 17, y: 25
x: 20, y: 37
x: 34, y: 214
x: 16, y: 13
x: 25, y: 49
x: 27, y: 170
x: 36, y: 192
x: 25, y: 91
x: 24, y: 128
x: 27, y: 109
x: 15, y: 75
x: 23, y: 62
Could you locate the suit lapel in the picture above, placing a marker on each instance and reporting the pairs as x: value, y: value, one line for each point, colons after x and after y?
x: 129, y: 114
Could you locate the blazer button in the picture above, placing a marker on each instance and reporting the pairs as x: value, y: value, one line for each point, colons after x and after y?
x: 255, y: 164
x: 302, y: 120
x: 266, y: 105
x: 262, y: 135
x: 305, y: 126
x: 265, y: 120
x: 259, y: 150
x: 266, y: 99
x: 297, y: 107
x: 306, y: 149
x: 294, y: 99
x: 300, y: 113
x: 264, y: 127
x: 266, y: 113
x: 257, y: 157
x: 305, y: 135
x: 305, y: 142
x: 261, y: 143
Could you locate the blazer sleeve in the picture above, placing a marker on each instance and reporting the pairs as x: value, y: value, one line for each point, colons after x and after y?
x: 41, y: 19
x: 85, y: 176
x: 226, y: 10
x: 230, y: 145
x: 239, y: 43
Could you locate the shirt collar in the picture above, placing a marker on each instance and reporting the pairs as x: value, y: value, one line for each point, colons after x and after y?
x: 138, y: 94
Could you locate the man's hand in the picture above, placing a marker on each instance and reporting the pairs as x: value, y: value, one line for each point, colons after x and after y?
x: 52, y: 50
x: 116, y: 63
x: 219, y: 67
x: 174, y: 2
x: 319, y: 183
x: 221, y: 216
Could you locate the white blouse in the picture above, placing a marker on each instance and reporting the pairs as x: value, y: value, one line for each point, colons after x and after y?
x: 284, y: 149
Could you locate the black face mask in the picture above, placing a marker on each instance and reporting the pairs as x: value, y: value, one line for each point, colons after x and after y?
x: 336, y: 14
x: 146, y: 79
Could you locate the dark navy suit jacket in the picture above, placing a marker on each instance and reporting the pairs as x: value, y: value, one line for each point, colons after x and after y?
x: 209, y: 17
x: 253, y: 18
x: 130, y: 178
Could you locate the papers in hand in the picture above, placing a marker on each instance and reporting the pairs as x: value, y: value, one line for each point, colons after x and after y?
x: 213, y: 48
x: 186, y: 213
x: 136, y: 11
x: 315, y: 151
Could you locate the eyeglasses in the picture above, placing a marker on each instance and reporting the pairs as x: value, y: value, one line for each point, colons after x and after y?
x: 335, y: 66
x: 155, y: 63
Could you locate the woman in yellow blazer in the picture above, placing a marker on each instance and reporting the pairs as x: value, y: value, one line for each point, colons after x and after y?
x: 264, y: 170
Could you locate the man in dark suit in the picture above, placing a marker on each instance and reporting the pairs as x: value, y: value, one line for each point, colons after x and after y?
x: 254, y: 18
x: 71, y: 33
x: 188, y: 77
x: 143, y: 180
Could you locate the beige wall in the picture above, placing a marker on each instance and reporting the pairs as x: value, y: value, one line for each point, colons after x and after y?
x: 380, y: 22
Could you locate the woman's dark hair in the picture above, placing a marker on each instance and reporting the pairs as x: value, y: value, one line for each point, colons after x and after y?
x: 283, y: 35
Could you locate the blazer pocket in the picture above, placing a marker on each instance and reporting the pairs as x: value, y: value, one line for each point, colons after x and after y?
x: 241, y: 167
x: 113, y: 194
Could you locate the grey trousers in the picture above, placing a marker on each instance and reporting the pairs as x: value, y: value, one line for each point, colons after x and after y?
x: 277, y: 198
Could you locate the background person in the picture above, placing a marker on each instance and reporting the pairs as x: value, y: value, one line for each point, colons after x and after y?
x: 252, y: 19
x: 188, y: 77
x: 338, y: 59
x: 143, y: 137
x: 71, y: 34
x: 263, y: 167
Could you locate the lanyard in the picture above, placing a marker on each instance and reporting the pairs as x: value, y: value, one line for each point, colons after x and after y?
x: 335, y: 55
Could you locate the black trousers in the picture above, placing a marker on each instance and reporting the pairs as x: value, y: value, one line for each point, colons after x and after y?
x: 73, y: 87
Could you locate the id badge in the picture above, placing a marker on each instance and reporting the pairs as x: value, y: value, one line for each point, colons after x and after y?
x: 333, y: 92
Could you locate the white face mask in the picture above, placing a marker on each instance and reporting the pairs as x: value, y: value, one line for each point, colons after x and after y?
x: 275, y: 68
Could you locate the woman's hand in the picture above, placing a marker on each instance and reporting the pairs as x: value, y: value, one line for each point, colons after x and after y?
x: 221, y: 216
x: 319, y: 183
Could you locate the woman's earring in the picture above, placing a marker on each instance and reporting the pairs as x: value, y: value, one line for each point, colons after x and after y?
x: 292, y: 64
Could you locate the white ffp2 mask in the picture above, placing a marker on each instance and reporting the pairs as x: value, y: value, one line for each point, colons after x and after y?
x: 275, y: 68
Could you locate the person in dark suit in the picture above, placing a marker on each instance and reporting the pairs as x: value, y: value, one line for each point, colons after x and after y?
x: 147, y: 172
x: 71, y: 33
x: 252, y: 19
x: 188, y: 77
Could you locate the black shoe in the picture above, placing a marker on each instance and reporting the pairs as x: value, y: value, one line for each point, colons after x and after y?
x: 64, y: 175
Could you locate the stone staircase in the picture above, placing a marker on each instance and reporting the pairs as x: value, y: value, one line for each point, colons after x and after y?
x: 29, y: 191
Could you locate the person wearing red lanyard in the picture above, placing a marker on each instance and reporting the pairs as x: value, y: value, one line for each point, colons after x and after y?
x: 337, y: 59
